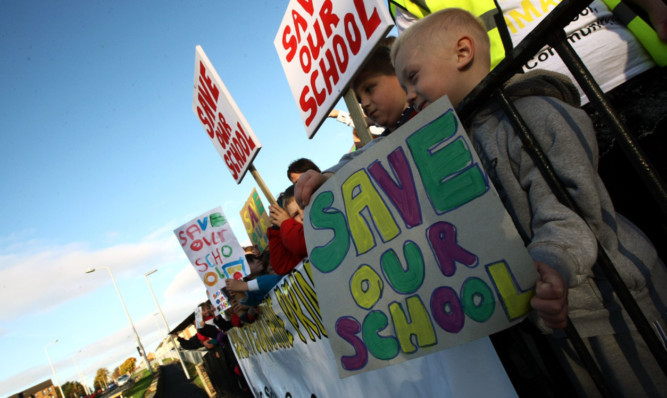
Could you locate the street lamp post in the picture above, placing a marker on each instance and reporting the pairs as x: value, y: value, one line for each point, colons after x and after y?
x: 136, y: 335
x: 51, y: 365
x: 166, y: 325
x: 82, y: 381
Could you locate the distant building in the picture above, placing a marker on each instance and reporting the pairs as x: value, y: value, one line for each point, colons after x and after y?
x: 41, y: 390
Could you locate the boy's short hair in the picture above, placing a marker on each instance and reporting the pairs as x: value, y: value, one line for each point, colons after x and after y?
x: 301, y: 166
x: 434, y: 29
x: 288, y: 196
x: 379, y: 62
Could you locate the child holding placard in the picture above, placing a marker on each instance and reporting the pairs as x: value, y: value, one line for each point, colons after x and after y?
x: 287, y: 243
x: 382, y: 99
x: 447, y: 53
x: 256, y: 285
x: 379, y: 92
x: 287, y: 246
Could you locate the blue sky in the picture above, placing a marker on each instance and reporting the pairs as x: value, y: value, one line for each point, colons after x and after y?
x: 101, y: 157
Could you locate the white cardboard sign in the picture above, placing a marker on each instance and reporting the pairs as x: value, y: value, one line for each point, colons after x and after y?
x: 214, y: 252
x: 412, y: 250
x: 322, y: 44
x: 223, y: 121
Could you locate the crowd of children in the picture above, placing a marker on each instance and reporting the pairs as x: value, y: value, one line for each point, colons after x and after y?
x: 448, y: 53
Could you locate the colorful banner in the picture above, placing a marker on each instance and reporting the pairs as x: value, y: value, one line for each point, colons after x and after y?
x: 322, y: 44
x: 286, y: 353
x: 256, y: 221
x: 213, y: 250
x: 223, y: 121
x: 412, y: 250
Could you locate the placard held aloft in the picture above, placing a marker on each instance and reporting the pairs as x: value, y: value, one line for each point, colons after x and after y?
x: 223, y: 121
x: 321, y: 45
x: 215, y: 253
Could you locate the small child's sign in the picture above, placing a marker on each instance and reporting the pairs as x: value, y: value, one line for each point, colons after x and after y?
x: 412, y: 250
x: 256, y: 221
x: 213, y: 250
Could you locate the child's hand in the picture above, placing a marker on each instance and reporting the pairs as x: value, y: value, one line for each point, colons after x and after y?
x: 237, y: 307
x: 550, y: 300
x: 307, y: 184
x: 236, y: 286
x: 277, y: 215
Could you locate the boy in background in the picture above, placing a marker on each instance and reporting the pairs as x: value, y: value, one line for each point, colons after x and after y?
x: 287, y: 243
x: 447, y: 53
x: 298, y: 167
x: 379, y: 92
x: 383, y: 101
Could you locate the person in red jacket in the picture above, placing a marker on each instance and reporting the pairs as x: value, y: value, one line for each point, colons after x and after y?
x: 287, y: 243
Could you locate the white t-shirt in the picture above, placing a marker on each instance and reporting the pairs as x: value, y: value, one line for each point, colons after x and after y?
x: 608, y: 49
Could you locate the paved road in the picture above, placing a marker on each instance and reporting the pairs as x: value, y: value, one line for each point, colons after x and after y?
x: 176, y: 385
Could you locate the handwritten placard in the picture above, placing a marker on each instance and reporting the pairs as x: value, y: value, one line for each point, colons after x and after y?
x: 412, y: 250
x: 214, y: 252
x: 256, y: 221
x: 321, y: 44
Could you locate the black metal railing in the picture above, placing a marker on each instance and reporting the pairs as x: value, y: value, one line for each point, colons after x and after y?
x: 550, y: 31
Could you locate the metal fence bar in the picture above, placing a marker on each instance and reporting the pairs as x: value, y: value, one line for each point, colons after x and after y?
x: 561, y: 16
x: 627, y: 143
x: 653, y: 182
x: 547, y: 171
x: 557, y: 19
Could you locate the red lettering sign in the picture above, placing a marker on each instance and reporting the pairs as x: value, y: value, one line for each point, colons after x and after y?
x: 321, y: 46
x: 218, y: 112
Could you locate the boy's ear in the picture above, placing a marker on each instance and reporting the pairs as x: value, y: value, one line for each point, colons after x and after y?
x: 465, y: 52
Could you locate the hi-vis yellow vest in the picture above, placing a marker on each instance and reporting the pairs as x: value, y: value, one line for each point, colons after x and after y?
x: 485, y: 10
x: 640, y: 29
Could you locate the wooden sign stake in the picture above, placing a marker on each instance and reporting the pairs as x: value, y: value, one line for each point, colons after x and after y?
x: 262, y: 186
x: 357, y: 117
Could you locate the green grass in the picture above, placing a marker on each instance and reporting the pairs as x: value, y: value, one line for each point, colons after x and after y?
x: 194, y: 376
x: 143, y: 380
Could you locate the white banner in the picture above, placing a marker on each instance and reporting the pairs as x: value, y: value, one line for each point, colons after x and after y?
x: 223, y: 121
x: 286, y: 353
x: 214, y: 252
x: 322, y: 44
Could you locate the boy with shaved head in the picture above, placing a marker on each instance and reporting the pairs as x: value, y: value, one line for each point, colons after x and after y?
x: 447, y: 53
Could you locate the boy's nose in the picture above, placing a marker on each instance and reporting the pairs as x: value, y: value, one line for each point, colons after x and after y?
x: 410, y: 97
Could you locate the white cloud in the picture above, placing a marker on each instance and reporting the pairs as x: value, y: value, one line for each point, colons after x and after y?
x: 39, y: 278
x: 183, y: 295
x: 25, y: 379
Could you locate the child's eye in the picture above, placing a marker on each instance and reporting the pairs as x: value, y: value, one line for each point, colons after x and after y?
x: 412, y: 77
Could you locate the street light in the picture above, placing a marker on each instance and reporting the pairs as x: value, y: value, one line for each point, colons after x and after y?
x: 158, y: 326
x: 143, y: 352
x: 83, y: 382
x: 51, y: 365
x: 166, y: 325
